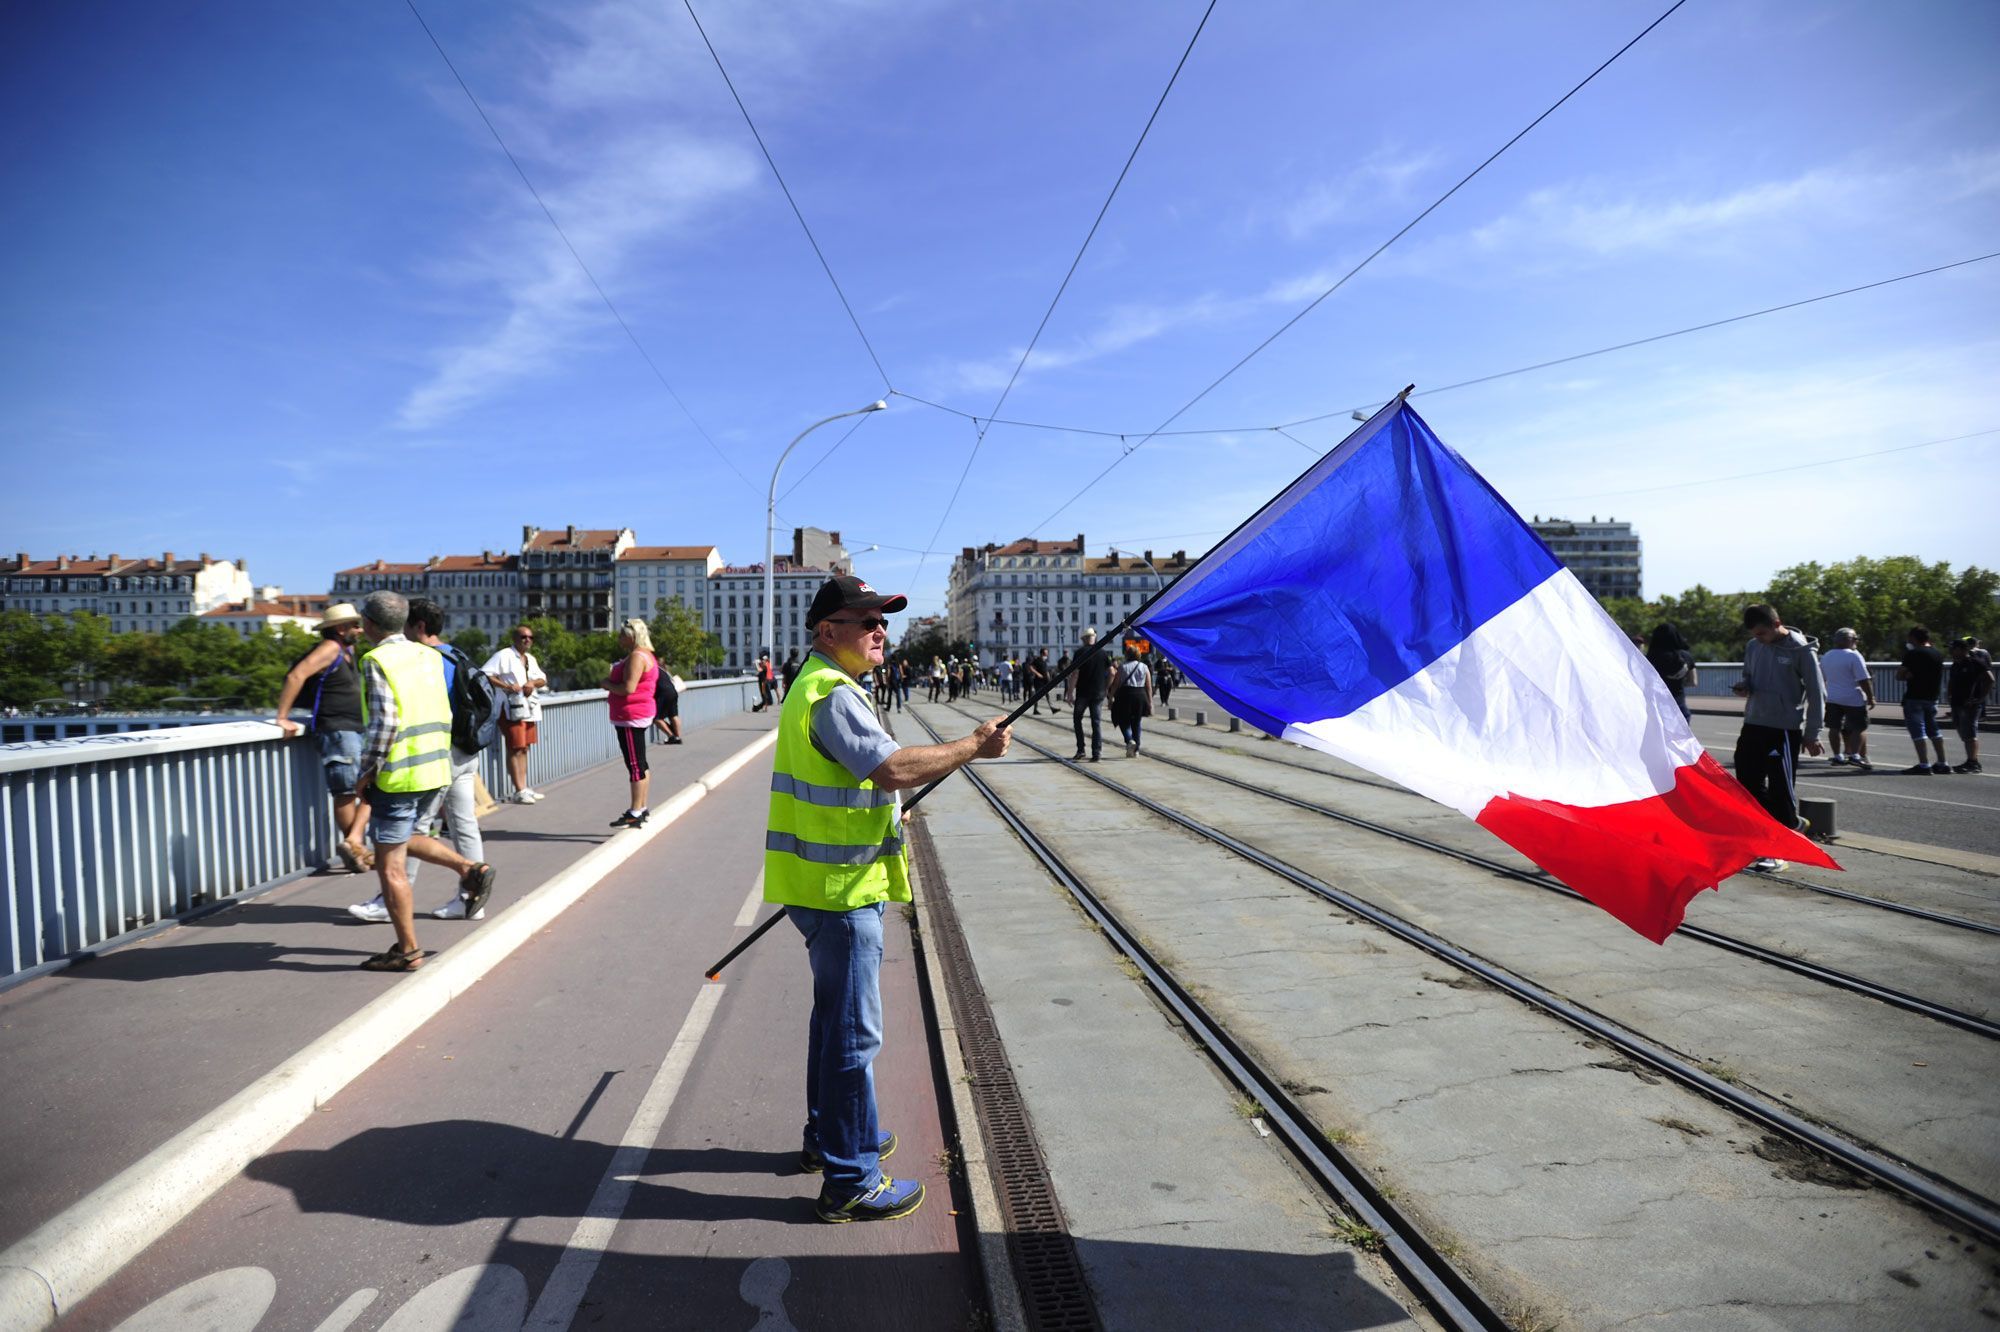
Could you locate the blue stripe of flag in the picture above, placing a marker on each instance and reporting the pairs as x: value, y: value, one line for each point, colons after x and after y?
x: 1376, y: 562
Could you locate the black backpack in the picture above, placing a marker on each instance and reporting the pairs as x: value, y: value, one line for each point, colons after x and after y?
x: 475, y: 709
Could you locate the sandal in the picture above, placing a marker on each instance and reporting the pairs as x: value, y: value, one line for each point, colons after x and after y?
x: 394, y: 959
x: 349, y: 857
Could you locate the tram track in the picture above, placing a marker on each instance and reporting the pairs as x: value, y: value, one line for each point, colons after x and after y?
x: 1825, y: 975
x: 1767, y: 876
x: 1445, y: 1291
x: 1940, y: 1195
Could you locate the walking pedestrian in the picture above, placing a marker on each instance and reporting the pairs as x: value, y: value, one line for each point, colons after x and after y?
x: 1089, y: 684
x: 461, y: 801
x: 791, y: 668
x: 937, y: 677
x: 1971, y: 686
x: 1038, y: 681
x: 630, y: 691
x: 328, y: 679
x: 1133, y: 700
x: 515, y: 672
x: 1784, y: 697
x: 834, y: 854
x: 1670, y: 656
x: 1850, y: 693
x: 1006, y: 671
x: 767, y: 683
x: 667, y: 705
x: 1165, y: 676
x: 1922, y: 672
x: 406, y: 757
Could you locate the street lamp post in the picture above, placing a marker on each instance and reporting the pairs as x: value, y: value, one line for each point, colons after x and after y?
x: 771, y: 522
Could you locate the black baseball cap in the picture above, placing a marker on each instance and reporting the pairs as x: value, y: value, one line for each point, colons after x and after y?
x: 845, y: 592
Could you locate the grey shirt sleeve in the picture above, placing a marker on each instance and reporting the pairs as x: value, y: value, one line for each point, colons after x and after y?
x: 844, y: 729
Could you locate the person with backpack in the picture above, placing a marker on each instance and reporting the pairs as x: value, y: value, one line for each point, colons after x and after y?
x: 1971, y: 685
x: 330, y: 677
x: 475, y: 724
x: 630, y: 690
x: 667, y: 705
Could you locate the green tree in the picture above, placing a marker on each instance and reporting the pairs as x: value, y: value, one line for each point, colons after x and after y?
x: 1712, y: 622
x: 933, y: 643
x: 32, y: 660
x: 1881, y: 598
x: 555, y: 647
x: 474, y: 643
x: 679, y: 641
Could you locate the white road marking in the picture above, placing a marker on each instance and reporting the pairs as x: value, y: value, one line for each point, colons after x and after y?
x: 1847, y: 789
x: 748, y: 915
x: 563, y: 1294
x: 763, y: 1289
x: 350, y: 1309
x: 233, y: 1300
x: 487, y: 1298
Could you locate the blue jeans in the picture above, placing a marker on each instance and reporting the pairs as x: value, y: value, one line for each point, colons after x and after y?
x: 845, y: 1035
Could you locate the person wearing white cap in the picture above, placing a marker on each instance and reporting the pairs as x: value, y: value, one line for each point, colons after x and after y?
x: 328, y: 680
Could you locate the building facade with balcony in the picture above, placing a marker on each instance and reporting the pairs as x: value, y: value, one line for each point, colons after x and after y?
x: 146, y: 595
x: 569, y: 574
x: 1014, y: 600
x: 1606, y: 557
x: 480, y: 591
x: 736, y: 611
x: 647, y: 575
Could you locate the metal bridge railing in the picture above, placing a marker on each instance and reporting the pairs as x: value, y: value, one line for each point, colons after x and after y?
x: 106, y: 835
x: 1717, y: 676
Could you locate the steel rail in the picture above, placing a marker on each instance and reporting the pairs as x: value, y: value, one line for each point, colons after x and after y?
x: 1446, y: 1292
x: 1941, y: 1195
x: 1771, y: 876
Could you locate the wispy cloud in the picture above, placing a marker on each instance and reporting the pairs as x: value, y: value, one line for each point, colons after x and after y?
x: 621, y: 120
x: 1384, y: 178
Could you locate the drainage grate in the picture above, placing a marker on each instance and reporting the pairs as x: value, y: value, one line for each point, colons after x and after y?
x: 1054, y: 1297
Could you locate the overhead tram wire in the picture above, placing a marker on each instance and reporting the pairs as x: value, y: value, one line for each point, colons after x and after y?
x: 1063, y: 286
x: 1773, y: 471
x: 1407, y: 227
x: 804, y: 226
x: 1468, y: 383
x: 570, y: 245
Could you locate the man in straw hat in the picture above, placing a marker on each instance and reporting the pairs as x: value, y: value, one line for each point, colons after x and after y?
x: 327, y: 680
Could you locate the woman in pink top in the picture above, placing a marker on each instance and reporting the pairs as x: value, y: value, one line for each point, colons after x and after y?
x: 630, y: 694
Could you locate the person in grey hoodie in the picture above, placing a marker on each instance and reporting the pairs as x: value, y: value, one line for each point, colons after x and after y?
x: 1784, y: 699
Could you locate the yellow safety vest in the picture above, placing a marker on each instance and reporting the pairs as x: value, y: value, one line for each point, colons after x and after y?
x: 420, y: 758
x: 833, y: 843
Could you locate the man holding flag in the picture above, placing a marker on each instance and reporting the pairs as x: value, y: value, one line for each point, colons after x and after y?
x: 833, y: 854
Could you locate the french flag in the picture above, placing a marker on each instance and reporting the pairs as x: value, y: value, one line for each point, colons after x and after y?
x: 1390, y: 609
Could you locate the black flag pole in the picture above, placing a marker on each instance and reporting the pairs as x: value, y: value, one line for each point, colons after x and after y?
x: 1115, y: 634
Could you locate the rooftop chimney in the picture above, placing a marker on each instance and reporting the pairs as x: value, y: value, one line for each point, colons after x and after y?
x: 528, y: 532
x: 572, y: 534
x: 486, y: 557
x: 1149, y: 557
x: 167, y: 558
x: 1079, y: 541
x: 114, y: 557
x: 62, y: 562
x: 21, y: 559
x: 204, y: 557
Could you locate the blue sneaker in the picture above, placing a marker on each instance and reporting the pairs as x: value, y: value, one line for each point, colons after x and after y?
x: 811, y: 1162
x: 885, y: 1202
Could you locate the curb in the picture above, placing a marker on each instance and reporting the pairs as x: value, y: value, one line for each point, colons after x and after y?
x: 48, y: 1272
x: 1003, y: 1292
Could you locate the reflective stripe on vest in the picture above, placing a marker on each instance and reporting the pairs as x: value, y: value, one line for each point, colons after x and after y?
x: 836, y: 797
x: 419, y: 759
x: 833, y: 842
x: 823, y: 853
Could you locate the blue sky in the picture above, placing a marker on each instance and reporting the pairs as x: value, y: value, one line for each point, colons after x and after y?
x: 271, y: 290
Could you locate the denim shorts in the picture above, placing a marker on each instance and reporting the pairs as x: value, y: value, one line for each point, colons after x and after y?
x: 394, y: 815
x: 1920, y: 715
x: 340, y: 755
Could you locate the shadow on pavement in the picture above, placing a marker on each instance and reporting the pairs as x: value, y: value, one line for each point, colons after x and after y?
x: 201, y: 959
x: 449, y: 1172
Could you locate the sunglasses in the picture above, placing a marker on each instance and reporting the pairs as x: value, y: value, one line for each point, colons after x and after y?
x: 870, y: 624
x: 524, y: 638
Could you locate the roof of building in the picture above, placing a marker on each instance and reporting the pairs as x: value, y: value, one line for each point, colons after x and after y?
x: 485, y: 561
x: 574, y: 538
x: 782, y: 568
x: 665, y: 553
x: 1031, y: 546
x: 23, y: 563
x: 383, y: 567
x: 1131, y: 564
